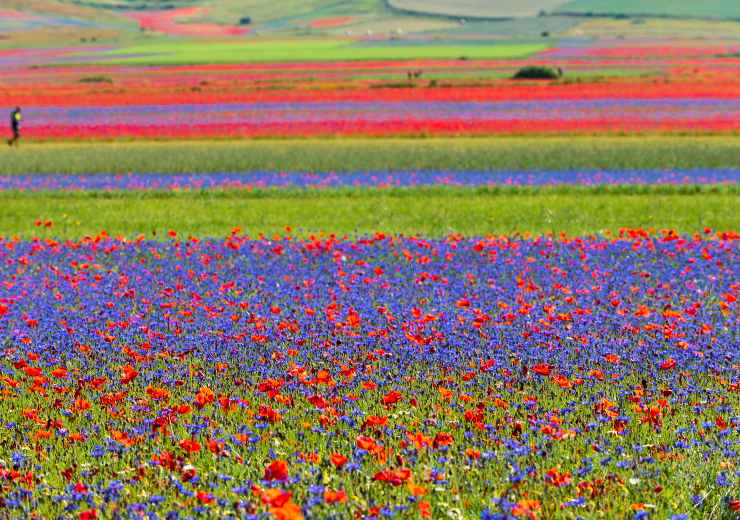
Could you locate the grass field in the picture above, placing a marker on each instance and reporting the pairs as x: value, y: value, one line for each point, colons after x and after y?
x: 172, y: 52
x: 651, y: 28
x: 478, y: 8
x: 670, y: 8
x: 432, y: 212
x: 474, y: 154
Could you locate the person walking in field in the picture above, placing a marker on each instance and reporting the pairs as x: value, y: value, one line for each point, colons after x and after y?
x: 15, y: 126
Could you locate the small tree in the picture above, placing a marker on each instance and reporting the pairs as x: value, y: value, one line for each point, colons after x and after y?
x: 538, y: 72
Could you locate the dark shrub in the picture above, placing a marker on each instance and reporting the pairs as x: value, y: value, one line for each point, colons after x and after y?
x: 537, y: 72
x: 96, y: 79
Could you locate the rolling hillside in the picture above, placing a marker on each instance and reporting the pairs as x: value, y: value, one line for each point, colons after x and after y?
x: 26, y: 23
x: 269, y: 15
x: 710, y: 9
x: 477, y: 8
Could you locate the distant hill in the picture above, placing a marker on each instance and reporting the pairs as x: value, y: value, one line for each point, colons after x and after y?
x: 712, y: 9
x: 487, y: 9
x: 116, y: 22
x: 268, y: 10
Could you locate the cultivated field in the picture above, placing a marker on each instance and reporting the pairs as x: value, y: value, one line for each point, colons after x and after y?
x: 717, y: 9
x: 478, y: 8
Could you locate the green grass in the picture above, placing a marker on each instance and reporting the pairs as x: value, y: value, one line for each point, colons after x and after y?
x: 432, y: 212
x: 682, y: 8
x: 477, y: 8
x: 257, y: 50
x: 473, y: 154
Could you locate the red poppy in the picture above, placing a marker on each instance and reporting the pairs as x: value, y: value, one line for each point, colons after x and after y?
x: 472, y: 453
x: 81, y: 405
x: 557, y: 479
x: 60, y: 373
x: 527, y: 509
x: 190, y: 445
x: 335, y: 497
x: 318, y: 401
x: 157, y: 394
x: 204, y: 498
x: 375, y: 421
x: 275, y: 497
x: 268, y: 414
x: 205, y: 396
x: 392, y: 397
x: 393, y: 477
x: 338, y: 460
x: 542, y: 369
x: 288, y: 511
x: 129, y: 374
x: 32, y: 371
x: 365, y: 443
x: 443, y: 439
x: 277, y: 470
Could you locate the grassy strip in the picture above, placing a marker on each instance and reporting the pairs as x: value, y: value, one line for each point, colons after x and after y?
x: 472, y: 154
x: 300, y: 50
x: 427, y: 213
x: 349, y: 192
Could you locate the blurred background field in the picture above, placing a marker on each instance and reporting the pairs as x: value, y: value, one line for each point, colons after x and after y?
x: 351, y: 155
x: 125, y: 24
x: 196, y: 87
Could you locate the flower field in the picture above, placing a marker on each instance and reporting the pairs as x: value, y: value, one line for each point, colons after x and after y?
x: 264, y: 180
x: 385, y: 118
x: 604, y: 91
x: 382, y: 377
x: 343, y: 260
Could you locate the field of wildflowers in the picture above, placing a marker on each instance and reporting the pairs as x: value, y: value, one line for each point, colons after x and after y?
x: 379, y: 118
x: 603, y: 91
x: 275, y: 180
x: 380, y: 377
x: 543, y: 328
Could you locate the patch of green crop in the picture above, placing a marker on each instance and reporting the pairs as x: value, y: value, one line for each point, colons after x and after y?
x: 434, y: 212
x: 477, y: 8
x: 471, y: 154
x: 268, y: 50
x: 669, y: 8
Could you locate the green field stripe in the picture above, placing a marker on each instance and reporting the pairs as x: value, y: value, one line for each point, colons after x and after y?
x: 173, y: 52
x: 337, y: 155
x: 429, y: 214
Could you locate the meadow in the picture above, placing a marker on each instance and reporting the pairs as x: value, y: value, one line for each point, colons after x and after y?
x: 272, y: 51
x: 295, y: 260
x: 718, y: 9
x: 357, y: 212
x: 367, y: 155
x: 380, y: 377
x: 478, y: 8
x: 385, y: 98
